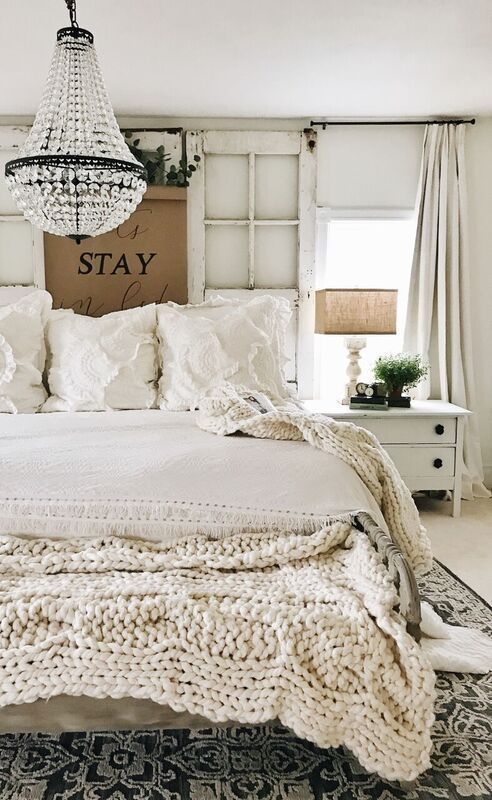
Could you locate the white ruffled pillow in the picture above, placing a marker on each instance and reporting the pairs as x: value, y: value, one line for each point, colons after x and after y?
x: 221, y: 340
x: 102, y: 363
x: 22, y: 350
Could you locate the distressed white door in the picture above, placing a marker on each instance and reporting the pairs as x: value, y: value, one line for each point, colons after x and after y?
x: 251, y: 226
x: 21, y: 245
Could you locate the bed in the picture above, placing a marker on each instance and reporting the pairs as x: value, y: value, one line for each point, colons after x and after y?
x: 241, y: 563
x: 140, y: 471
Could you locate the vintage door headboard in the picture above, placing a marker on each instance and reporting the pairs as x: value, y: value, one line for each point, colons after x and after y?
x: 249, y: 218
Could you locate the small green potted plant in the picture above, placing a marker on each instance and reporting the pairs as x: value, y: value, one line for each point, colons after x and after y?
x: 400, y: 372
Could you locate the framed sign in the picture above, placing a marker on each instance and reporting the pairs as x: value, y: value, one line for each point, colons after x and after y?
x: 142, y: 261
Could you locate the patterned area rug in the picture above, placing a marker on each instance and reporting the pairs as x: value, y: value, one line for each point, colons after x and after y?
x: 264, y: 763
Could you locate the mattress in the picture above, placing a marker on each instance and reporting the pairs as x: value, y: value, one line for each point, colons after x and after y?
x: 150, y: 464
x: 141, y: 472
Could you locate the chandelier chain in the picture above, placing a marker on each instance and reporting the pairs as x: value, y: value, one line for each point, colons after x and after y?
x: 72, y: 10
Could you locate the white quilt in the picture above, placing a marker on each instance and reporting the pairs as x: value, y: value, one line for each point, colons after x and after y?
x: 154, y: 474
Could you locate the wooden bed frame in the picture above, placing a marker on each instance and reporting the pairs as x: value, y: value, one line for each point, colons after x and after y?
x: 399, y: 569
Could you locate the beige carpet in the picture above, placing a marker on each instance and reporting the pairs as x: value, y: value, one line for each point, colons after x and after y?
x: 463, y: 544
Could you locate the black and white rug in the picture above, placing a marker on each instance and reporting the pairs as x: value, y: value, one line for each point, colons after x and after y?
x: 265, y: 763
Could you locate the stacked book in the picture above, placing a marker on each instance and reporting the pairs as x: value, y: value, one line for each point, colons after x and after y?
x: 374, y: 403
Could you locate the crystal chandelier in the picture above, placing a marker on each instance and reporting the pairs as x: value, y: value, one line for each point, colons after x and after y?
x: 75, y: 176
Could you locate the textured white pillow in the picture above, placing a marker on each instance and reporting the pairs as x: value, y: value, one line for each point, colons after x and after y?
x: 102, y: 363
x: 221, y: 341
x: 22, y: 351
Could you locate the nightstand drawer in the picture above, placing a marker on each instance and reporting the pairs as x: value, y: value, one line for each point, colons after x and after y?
x: 423, y: 462
x: 429, y: 430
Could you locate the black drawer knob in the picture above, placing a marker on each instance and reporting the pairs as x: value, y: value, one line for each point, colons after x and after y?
x: 438, y: 463
x: 439, y: 430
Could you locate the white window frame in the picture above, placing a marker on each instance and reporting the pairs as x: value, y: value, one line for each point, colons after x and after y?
x: 252, y: 143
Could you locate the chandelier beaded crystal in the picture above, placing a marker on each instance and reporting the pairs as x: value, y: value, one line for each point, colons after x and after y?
x: 75, y: 175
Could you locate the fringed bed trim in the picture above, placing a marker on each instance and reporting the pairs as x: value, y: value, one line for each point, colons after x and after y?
x: 166, y: 520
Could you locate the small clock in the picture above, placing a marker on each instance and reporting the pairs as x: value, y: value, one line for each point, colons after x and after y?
x: 369, y: 391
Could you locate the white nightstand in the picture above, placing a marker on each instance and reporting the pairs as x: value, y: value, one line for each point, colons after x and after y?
x: 425, y: 441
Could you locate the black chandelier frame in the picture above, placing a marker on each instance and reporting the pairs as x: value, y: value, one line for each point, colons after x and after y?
x: 75, y: 162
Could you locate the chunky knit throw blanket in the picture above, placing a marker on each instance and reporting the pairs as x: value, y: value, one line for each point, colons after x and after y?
x: 227, y: 411
x: 298, y: 626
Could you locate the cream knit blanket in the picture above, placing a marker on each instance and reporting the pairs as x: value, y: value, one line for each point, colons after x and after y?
x: 246, y: 628
x: 227, y: 411
x: 249, y: 627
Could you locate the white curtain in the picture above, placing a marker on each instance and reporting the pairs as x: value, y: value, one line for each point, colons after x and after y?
x: 438, y: 315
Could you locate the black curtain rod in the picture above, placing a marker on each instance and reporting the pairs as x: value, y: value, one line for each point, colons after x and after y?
x: 326, y: 123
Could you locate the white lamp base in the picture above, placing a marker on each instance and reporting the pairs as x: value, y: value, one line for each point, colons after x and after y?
x: 354, y: 345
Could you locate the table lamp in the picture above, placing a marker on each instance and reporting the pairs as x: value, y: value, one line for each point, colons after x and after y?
x: 355, y: 312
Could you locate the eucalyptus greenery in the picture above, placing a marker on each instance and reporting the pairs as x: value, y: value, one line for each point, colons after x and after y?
x: 156, y: 165
x: 400, y: 371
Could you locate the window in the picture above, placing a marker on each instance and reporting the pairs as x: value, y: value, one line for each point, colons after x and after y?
x: 367, y: 252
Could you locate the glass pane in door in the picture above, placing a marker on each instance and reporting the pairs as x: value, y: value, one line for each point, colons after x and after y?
x: 16, y: 253
x: 226, y: 187
x: 226, y: 256
x: 276, y: 187
x: 276, y: 256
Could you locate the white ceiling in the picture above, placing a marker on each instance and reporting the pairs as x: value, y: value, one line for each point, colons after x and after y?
x: 264, y: 58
